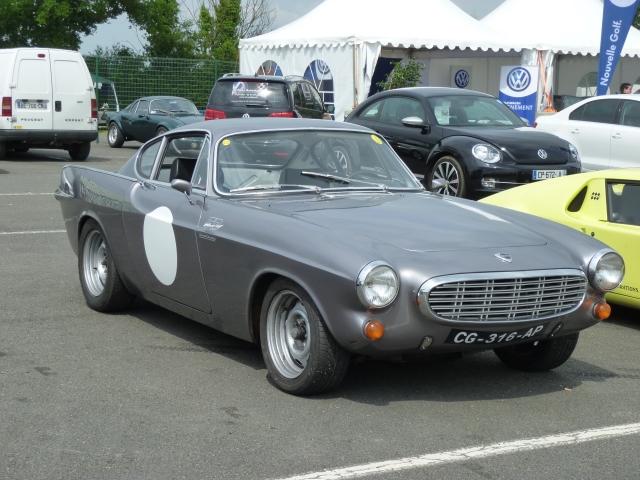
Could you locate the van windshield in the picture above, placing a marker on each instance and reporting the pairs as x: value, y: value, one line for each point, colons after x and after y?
x: 248, y: 93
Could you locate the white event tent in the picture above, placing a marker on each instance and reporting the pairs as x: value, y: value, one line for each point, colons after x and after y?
x: 567, y: 33
x: 337, y: 45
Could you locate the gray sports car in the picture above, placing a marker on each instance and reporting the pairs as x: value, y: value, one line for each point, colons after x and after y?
x: 316, y: 242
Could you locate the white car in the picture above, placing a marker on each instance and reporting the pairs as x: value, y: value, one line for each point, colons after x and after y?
x: 605, y: 130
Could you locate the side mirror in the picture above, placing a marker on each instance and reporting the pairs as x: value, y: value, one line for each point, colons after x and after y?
x: 416, y: 122
x: 182, y: 186
x: 330, y: 108
x: 526, y: 121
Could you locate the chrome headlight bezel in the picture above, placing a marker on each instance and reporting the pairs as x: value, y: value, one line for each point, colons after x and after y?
x: 574, y: 152
x: 486, y: 153
x: 361, y: 284
x: 594, y: 265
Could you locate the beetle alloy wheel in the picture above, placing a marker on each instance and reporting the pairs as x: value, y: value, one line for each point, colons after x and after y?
x: 95, y: 263
x: 448, y: 172
x: 343, y: 161
x: 113, y: 134
x: 288, y: 334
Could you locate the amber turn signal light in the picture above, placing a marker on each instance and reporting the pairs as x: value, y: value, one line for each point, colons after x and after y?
x: 602, y: 310
x: 373, y: 330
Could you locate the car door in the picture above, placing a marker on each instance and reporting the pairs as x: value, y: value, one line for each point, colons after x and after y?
x: 140, y: 125
x: 411, y: 144
x: 72, y: 92
x: 312, y: 100
x: 33, y: 93
x: 160, y: 222
x: 590, y: 128
x: 625, y: 137
x: 369, y: 116
x: 299, y: 103
x: 126, y: 116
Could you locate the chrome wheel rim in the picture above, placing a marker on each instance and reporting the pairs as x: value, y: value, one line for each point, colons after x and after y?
x: 343, y: 161
x: 448, y: 172
x: 95, y: 263
x: 288, y: 334
x: 113, y: 134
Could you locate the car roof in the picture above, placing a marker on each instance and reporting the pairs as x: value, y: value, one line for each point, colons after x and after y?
x: 222, y: 128
x: 268, y: 78
x: 160, y: 97
x: 430, y: 92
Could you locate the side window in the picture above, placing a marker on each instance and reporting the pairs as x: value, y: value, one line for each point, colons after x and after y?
x: 179, y: 158
x: 199, y: 179
x: 372, y: 111
x: 630, y: 115
x: 600, y: 111
x: 143, y: 107
x: 147, y: 158
x: 298, y: 99
x: 623, y: 200
x: 577, y: 113
x: 315, y: 98
x: 397, y: 108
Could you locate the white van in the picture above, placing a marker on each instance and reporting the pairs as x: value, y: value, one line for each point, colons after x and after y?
x: 48, y: 101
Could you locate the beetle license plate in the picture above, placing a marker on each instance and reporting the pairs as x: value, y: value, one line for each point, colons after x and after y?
x: 461, y: 337
x: 546, y: 174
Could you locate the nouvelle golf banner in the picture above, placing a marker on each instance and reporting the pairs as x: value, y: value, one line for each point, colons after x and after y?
x: 616, y: 22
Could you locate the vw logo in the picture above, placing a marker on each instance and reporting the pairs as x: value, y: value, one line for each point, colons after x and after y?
x: 462, y: 78
x: 519, y: 79
x: 246, y: 115
x: 542, y: 154
x: 505, y: 257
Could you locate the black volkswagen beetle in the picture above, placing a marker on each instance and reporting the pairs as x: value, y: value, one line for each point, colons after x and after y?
x: 464, y: 142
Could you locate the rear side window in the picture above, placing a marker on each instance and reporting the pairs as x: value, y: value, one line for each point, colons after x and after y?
x: 70, y: 77
x: 143, y: 106
x: 250, y: 93
x: 577, y: 113
x: 623, y: 200
x: 33, y: 76
x: 600, y: 111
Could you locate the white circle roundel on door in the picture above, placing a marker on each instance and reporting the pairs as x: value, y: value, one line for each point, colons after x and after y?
x: 160, y: 244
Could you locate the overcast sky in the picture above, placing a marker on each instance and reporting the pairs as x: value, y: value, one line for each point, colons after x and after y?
x: 120, y: 30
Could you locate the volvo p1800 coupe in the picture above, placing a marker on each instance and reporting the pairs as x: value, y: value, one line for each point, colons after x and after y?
x: 257, y: 228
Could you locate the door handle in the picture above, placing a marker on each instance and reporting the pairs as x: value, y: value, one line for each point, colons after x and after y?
x: 616, y: 135
x: 146, y: 186
x: 576, y: 131
x: 141, y: 116
x: 58, y: 105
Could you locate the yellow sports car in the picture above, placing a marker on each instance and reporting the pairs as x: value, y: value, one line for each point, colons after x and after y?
x: 604, y: 204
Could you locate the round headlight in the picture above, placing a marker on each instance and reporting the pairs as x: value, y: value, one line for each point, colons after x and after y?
x: 377, y: 285
x: 606, y: 270
x: 486, y: 153
x: 574, y: 152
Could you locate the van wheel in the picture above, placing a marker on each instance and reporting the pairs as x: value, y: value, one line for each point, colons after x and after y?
x: 3, y: 149
x: 80, y: 152
x: 115, y: 137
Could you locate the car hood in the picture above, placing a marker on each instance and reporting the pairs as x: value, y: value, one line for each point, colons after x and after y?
x: 419, y: 222
x: 522, y: 144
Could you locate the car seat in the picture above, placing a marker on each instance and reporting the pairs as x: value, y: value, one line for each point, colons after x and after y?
x: 182, y: 169
x: 403, y: 111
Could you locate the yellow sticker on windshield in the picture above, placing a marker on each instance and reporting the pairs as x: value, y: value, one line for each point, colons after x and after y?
x: 376, y: 139
x: 226, y: 142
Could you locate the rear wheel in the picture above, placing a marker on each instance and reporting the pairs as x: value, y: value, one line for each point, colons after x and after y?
x: 301, y: 355
x: 80, y: 152
x: 115, y: 137
x: 101, y: 285
x: 539, y: 356
x: 161, y: 131
x: 448, y: 174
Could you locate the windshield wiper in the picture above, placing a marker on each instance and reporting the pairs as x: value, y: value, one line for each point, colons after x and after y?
x: 337, y: 178
x: 255, y: 104
x: 161, y: 111
x: 181, y: 111
x: 275, y: 187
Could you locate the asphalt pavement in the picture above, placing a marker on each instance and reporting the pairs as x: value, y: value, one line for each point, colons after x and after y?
x: 148, y: 394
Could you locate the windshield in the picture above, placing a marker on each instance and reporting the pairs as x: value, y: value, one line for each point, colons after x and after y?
x: 250, y: 93
x: 309, y: 160
x: 470, y: 110
x: 173, y: 105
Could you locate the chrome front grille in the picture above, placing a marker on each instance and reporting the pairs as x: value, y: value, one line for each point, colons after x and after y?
x: 508, y: 297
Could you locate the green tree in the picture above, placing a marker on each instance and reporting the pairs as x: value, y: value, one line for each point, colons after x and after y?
x: 636, y: 20
x: 404, y: 74
x: 226, y: 18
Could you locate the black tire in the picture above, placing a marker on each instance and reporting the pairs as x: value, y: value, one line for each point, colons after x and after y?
x: 539, y: 356
x: 450, y: 169
x: 103, y: 293
x: 327, y: 362
x: 80, y: 152
x: 3, y: 149
x: 161, y: 131
x: 21, y: 149
x: 115, y: 137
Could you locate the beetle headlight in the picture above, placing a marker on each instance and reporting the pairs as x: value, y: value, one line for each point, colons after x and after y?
x: 377, y: 285
x: 574, y: 152
x: 606, y: 270
x: 486, y: 153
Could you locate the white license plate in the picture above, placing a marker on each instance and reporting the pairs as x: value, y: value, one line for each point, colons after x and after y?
x: 34, y: 105
x: 546, y: 174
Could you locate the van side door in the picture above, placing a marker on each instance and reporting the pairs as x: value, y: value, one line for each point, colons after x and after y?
x: 32, y: 90
x: 72, y: 92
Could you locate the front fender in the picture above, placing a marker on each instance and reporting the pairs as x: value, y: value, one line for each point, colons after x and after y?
x: 458, y: 147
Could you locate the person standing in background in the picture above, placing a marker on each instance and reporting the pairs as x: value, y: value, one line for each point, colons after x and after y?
x: 625, y: 88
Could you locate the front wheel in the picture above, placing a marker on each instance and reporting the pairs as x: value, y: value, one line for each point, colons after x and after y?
x: 115, y: 136
x: 101, y: 285
x: 80, y: 152
x: 539, y: 356
x: 301, y: 355
x: 447, y: 178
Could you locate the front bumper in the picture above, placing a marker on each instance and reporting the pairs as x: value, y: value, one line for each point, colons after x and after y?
x: 512, y: 174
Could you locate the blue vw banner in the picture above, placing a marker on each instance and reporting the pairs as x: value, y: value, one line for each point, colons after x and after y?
x: 519, y: 90
x: 616, y: 22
